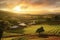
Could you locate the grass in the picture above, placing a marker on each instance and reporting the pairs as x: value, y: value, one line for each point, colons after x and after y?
x: 49, y: 29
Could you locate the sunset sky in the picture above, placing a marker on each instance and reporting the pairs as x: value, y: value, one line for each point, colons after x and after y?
x: 36, y: 6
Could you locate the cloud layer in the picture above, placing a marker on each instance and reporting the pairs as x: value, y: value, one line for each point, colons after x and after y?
x: 5, y: 3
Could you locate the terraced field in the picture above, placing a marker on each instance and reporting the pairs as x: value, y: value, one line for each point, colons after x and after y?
x: 49, y: 29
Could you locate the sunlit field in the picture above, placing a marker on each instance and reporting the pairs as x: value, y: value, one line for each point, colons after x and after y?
x: 49, y: 29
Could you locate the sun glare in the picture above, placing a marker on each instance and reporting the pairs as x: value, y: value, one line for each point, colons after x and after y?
x: 17, y: 9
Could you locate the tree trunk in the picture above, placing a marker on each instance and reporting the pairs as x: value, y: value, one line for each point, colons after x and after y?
x: 1, y: 33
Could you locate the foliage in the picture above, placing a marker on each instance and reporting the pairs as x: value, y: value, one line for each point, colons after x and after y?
x: 39, y: 30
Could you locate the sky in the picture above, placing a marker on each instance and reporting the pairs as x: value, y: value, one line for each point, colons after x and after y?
x: 35, y: 4
x: 4, y: 3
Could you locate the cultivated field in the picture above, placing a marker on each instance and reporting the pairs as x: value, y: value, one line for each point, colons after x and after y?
x: 31, y: 30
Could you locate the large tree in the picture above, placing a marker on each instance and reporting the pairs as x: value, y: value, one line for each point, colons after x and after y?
x: 3, y: 26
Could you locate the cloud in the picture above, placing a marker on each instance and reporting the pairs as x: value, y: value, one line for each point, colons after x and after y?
x: 36, y: 1
x: 52, y: 2
x: 49, y: 2
x: 4, y: 3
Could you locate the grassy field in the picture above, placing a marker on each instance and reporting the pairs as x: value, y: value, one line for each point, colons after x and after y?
x: 49, y: 29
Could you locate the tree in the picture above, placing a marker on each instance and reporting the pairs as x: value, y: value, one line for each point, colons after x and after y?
x: 3, y: 26
x: 39, y: 30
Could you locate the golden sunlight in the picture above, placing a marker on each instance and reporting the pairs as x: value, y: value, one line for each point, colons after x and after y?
x: 17, y: 9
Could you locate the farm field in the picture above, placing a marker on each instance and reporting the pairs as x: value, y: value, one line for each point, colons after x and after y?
x: 31, y: 30
x: 50, y: 29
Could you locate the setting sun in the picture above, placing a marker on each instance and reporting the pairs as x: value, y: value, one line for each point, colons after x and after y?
x: 17, y: 9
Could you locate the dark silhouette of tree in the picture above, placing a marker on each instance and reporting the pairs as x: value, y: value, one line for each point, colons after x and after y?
x: 39, y: 30
x: 3, y: 26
